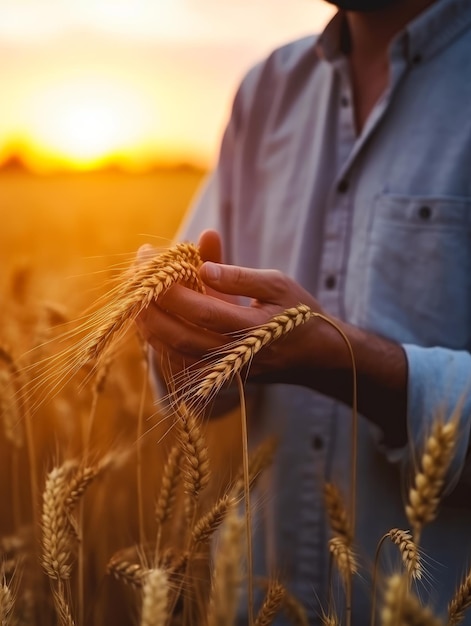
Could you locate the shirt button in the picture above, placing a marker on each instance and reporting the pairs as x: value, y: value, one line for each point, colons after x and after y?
x: 342, y: 187
x: 317, y: 442
x: 425, y: 212
x: 345, y: 101
x: 330, y: 282
x: 416, y: 59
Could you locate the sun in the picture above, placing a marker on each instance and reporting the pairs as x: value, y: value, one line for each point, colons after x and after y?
x: 85, y: 123
x: 87, y: 131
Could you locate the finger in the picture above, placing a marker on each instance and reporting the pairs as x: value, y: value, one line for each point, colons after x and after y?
x: 179, y: 335
x: 210, y: 246
x: 263, y: 285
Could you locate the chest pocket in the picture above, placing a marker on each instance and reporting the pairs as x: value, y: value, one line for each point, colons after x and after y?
x: 418, y: 270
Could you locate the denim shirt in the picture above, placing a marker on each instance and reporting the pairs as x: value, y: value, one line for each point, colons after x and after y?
x: 378, y: 227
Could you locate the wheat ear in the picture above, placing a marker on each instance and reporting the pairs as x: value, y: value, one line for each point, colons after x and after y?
x: 6, y: 605
x: 239, y: 353
x: 402, y: 607
x: 155, y: 598
x: 148, y: 283
x: 16, y: 377
x: 131, y: 573
x: 337, y: 513
x: 9, y: 410
x: 207, y: 525
x: 329, y: 619
x: 410, y: 557
x: 424, y: 495
x: 168, y: 491
x: 227, y: 573
x: 62, y: 608
x: 271, y: 605
x: 460, y: 602
x: 56, y: 537
x: 196, y: 468
x: 344, y: 558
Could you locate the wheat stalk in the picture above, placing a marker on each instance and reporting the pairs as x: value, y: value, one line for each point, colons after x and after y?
x: 259, y: 460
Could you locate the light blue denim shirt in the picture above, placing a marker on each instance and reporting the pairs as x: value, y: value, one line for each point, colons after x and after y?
x: 378, y: 228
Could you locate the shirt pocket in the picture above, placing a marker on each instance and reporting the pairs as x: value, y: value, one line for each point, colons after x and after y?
x: 417, y: 280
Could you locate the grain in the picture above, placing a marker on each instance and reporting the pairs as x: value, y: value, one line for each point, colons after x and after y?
x: 155, y: 598
x: 424, y: 495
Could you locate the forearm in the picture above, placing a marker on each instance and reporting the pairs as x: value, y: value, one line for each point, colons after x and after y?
x: 380, y: 366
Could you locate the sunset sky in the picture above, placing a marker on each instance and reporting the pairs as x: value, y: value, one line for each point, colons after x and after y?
x: 134, y: 81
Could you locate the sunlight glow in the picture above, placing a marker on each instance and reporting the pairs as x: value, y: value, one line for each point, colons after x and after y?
x: 88, y: 122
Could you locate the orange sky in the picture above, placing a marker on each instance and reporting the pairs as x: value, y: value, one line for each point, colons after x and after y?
x: 84, y: 81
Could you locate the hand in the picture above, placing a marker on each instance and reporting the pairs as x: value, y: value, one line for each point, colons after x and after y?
x: 186, y: 324
x: 159, y: 327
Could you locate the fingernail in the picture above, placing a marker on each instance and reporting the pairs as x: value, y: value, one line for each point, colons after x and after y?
x: 212, y: 270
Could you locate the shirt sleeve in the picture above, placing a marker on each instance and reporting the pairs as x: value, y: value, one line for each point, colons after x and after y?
x: 439, y: 385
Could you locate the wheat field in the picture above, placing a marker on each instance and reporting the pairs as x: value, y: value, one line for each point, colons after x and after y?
x: 109, y: 504
x: 63, y: 241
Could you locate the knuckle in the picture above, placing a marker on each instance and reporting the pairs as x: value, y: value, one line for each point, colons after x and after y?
x: 278, y: 281
x: 206, y: 316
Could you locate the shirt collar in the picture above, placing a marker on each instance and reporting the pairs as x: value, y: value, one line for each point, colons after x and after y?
x: 434, y: 29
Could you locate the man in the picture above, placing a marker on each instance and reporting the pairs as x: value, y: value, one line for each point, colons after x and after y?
x: 345, y: 170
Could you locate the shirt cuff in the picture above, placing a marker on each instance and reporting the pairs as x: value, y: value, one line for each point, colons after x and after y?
x: 439, y: 385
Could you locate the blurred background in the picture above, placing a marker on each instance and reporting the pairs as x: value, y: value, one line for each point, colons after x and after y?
x: 112, y: 111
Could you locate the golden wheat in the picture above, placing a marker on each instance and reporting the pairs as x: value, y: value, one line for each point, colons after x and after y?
x: 409, y: 551
x: 169, y: 486
x: 460, y: 602
x: 424, y: 495
x: 56, y: 529
x: 6, y: 605
x: 9, y: 411
x: 344, y: 558
x: 402, y: 607
x: 196, y: 466
x: 271, y: 605
x: 132, y: 574
x: 337, y: 513
x: 239, y: 353
x: 155, y: 598
x: 227, y: 572
x: 207, y: 525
